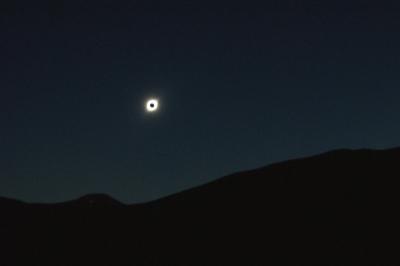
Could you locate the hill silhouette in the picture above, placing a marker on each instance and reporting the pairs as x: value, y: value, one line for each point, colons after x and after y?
x: 337, y: 208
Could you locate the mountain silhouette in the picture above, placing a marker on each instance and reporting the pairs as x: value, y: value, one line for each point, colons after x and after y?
x: 337, y: 208
x: 100, y: 200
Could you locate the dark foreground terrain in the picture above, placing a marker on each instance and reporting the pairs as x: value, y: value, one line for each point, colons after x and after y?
x: 338, y: 208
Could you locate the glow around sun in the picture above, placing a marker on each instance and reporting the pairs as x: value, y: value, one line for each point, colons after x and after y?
x: 152, y: 105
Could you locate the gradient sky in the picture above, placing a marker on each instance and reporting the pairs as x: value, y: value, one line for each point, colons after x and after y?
x: 241, y: 85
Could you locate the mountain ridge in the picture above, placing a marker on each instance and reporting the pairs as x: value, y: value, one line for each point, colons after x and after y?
x: 336, y: 208
x: 107, y: 199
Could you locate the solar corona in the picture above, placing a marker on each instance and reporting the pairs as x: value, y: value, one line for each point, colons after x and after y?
x: 152, y: 105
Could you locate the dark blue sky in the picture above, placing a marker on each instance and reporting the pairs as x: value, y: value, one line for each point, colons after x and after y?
x: 241, y: 85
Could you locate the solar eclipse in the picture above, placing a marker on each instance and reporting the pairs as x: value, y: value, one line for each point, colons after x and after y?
x: 152, y: 105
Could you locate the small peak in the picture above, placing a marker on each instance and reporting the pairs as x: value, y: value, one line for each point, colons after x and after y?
x: 98, y: 200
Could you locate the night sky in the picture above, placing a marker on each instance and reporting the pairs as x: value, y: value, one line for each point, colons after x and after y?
x: 240, y: 84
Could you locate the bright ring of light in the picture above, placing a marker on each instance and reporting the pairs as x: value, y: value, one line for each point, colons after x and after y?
x: 152, y: 105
